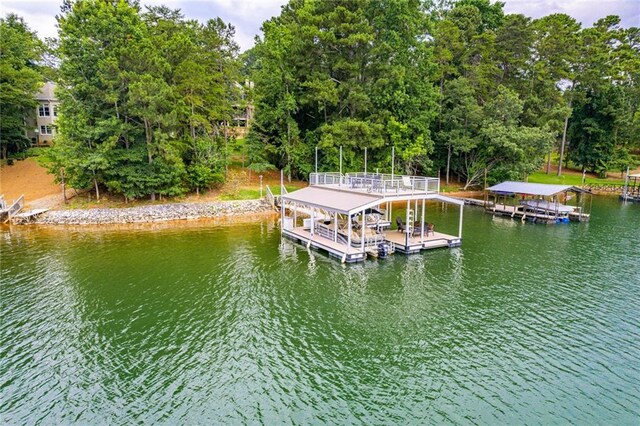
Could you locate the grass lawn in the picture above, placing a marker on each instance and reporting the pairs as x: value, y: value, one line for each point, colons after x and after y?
x: 569, y: 179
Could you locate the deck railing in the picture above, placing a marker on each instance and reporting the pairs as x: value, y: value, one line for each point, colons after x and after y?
x: 377, y: 182
x: 271, y: 199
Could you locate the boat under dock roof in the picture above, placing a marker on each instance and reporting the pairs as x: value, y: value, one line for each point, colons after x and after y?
x: 541, y: 189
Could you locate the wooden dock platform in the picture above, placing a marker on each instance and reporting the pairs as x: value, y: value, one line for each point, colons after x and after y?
x: 28, y: 216
x: 341, y: 251
x: 414, y: 244
x: 354, y: 254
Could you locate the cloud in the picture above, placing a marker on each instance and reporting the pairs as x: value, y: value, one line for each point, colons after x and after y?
x: 248, y: 15
x: 40, y: 16
x: 585, y: 11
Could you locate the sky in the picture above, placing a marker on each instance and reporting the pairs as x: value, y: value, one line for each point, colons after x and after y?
x: 247, y: 15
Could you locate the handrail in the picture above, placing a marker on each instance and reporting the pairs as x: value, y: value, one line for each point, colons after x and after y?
x: 271, y: 199
x: 15, y: 207
x: 378, y: 182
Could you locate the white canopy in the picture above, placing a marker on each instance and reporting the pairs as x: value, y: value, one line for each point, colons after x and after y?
x: 333, y: 200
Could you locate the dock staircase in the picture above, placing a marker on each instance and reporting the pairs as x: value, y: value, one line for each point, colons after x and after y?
x: 8, y: 211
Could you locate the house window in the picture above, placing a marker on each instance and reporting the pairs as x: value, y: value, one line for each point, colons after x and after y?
x: 46, y: 130
x: 43, y: 110
x: 55, y: 110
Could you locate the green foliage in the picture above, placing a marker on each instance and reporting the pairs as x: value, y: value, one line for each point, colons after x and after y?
x: 20, y: 78
x: 146, y: 98
x: 356, y: 74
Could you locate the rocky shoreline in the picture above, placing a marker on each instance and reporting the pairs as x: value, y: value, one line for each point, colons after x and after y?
x: 154, y: 213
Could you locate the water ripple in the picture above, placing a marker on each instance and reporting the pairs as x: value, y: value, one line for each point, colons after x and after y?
x: 230, y: 324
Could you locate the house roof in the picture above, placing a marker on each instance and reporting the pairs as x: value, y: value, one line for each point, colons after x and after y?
x: 527, y: 188
x: 46, y: 92
x: 330, y: 199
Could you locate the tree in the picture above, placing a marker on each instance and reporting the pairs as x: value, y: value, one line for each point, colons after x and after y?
x: 20, y: 79
x: 145, y: 98
x: 357, y: 74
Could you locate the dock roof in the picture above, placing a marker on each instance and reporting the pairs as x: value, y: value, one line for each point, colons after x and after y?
x: 527, y: 188
x: 333, y: 200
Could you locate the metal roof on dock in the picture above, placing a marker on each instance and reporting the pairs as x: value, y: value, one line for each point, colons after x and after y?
x: 527, y: 188
x: 331, y: 199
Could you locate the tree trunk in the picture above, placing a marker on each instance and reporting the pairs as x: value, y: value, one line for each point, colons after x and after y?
x: 549, y: 160
x: 564, y: 140
x: 226, y: 151
x: 148, y: 136
x: 95, y: 183
x: 448, y: 162
x: 191, y: 126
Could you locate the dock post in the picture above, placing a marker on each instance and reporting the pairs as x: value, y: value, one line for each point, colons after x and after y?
x: 282, y: 210
x: 460, y: 222
x: 626, y: 186
x: 363, y: 226
x: 406, y: 226
x: 365, y: 161
x: 313, y: 220
x: 422, y: 223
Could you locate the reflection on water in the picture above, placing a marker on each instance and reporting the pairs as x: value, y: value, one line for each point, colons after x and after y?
x: 226, y: 323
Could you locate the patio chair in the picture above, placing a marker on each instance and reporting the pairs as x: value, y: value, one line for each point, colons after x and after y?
x: 400, y: 224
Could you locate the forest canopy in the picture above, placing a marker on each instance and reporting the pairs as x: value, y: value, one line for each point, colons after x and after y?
x: 460, y: 89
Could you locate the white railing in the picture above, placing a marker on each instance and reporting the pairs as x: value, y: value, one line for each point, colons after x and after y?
x: 271, y: 199
x: 330, y: 178
x: 15, y: 208
x: 377, y: 182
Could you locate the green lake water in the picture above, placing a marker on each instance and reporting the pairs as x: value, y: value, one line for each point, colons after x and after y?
x: 210, y: 324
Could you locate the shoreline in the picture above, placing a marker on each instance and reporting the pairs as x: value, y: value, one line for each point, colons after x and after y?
x: 182, y: 211
x: 152, y: 214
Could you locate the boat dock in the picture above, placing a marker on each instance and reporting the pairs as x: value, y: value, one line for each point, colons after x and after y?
x: 540, y: 203
x: 27, y: 216
x: 351, y: 216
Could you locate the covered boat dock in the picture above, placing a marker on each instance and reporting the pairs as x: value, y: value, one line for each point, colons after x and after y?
x: 351, y: 216
x: 539, y: 202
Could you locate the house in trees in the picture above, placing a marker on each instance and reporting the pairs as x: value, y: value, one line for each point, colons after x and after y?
x: 40, y: 126
x: 243, y: 110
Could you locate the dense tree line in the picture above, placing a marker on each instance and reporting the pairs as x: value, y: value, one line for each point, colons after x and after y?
x: 146, y: 96
x: 460, y: 88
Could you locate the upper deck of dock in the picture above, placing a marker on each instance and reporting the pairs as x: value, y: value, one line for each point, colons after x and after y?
x: 377, y: 184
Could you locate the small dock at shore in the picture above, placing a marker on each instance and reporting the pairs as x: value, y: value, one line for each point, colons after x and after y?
x: 28, y: 216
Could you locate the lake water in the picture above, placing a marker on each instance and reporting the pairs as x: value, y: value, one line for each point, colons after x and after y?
x: 205, y: 324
